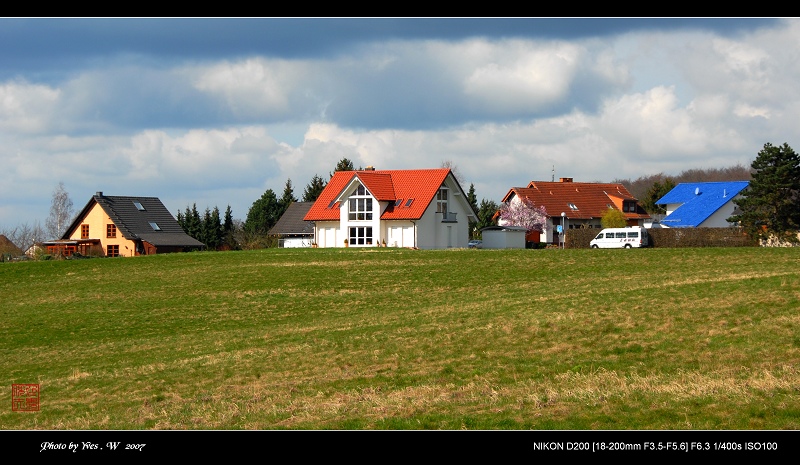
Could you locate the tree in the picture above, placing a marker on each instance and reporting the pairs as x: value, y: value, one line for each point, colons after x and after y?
x: 522, y: 212
x: 313, y: 189
x: 486, y: 213
x: 60, y: 212
x: 192, y: 224
x: 287, y: 198
x: 453, y: 169
x: 473, y: 202
x: 771, y: 202
x: 263, y: 214
x: 613, y: 218
x: 344, y: 165
x: 655, y: 192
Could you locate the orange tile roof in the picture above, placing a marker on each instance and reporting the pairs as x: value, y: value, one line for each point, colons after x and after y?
x: 385, y: 185
x: 591, y: 199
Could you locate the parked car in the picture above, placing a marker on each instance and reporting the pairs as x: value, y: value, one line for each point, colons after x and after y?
x: 475, y: 244
x: 617, y: 238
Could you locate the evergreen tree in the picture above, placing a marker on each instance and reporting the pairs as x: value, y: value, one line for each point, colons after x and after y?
x: 263, y: 214
x: 313, y: 189
x: 180, y: 220
x: 229, y: 230
x: 344, y: 165
x: 473, y: 201
x: 287, y: 198
x: 214, y: 229
x: 655, y: 192
x: 227, y: 227
x: 771, y: 202
x: 486, y: 213
x: 193, y: 225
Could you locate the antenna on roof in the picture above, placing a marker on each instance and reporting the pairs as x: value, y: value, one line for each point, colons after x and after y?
x: 553, y: 179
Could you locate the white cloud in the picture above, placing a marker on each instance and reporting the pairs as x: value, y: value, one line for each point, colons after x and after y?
x: 26, y: 107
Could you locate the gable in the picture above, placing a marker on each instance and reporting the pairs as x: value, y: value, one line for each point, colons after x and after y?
x: 408, y: 192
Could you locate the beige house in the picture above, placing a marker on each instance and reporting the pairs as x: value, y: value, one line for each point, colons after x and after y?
x: 116, y: 226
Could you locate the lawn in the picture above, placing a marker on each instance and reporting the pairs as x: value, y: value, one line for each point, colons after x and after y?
x: 656, y: 339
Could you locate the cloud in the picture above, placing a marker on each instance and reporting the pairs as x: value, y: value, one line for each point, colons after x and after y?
x: 26, y: 107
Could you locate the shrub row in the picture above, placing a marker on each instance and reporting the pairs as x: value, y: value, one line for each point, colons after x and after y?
x: 674, y: 237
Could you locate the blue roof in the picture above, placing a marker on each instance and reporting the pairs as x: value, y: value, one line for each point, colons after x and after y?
x: 699, y: 201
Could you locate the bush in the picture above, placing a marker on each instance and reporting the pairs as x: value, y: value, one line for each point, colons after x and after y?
x: 674, y: 237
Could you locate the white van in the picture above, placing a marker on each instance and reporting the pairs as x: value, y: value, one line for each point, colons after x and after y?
x: 618, y: 238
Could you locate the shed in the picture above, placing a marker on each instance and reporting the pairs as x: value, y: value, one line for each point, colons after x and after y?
x: 504, y: 237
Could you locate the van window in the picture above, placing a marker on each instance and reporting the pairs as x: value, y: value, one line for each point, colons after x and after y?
x: 633, y: 234
x: 599, y: 236
x: 609, y: 235
x: 620, y: 235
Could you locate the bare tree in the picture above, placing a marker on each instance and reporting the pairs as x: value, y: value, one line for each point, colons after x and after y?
x: 60, y: 212
x: 456, y: 172
x: 25, y: 235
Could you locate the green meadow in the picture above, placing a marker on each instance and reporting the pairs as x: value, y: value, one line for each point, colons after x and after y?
x: 654, y: 339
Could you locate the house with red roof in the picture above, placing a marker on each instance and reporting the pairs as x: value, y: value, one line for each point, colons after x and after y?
x: 571, y: 205
x: 420, y: 208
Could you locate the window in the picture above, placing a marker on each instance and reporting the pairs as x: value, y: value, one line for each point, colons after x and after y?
x: 111, y: 230
x: 409, y: 202
x: 360, y: 205
x: 620, y: 235
x: 629, y: 206
x: 441, y: 201
x: 634, y: 234
x: 398, y: 202
x: 112, y: 250
x: 155, y: 226
x: 572, y: 206
x: 360, y: 235
x: 84, y: 231
x: 139, y: 206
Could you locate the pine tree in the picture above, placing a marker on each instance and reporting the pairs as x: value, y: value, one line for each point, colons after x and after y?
x: 473, y: 201
x: 313, y: 189
x: 771, y: 203
x: 263, y: 214
x: 287, y: 198
x: 344, y: 165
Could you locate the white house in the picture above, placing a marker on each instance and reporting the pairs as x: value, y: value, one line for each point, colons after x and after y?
x: 422, y: 208
x: 701, y: 204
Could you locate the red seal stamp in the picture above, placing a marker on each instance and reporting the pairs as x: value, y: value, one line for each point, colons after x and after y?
x: 25, y: 397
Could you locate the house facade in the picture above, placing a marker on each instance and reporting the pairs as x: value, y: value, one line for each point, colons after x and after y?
x: 422, y: 208
x: 116, y: 226
x: 571, y: 205
x: 701, y: 204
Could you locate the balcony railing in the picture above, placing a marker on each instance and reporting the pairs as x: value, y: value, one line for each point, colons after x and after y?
x: 449, y: 217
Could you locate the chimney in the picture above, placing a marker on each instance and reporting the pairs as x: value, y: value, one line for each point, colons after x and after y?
x: 369, y: 168
x: 99, y: 193
x: 564, y: 179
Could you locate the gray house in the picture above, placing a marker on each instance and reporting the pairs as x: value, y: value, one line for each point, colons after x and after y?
x: 291, y: 229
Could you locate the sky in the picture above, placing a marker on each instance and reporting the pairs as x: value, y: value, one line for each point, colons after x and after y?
x: 213, y: 112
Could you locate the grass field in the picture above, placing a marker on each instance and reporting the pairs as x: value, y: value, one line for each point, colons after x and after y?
x: 697, y: 339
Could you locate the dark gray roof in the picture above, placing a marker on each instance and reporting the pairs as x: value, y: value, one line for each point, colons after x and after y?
x: 291, y: 222
x: 134, y: 223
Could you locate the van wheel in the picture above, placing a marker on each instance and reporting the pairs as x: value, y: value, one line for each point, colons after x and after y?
x: 627, y: 246
x: 594, y: 246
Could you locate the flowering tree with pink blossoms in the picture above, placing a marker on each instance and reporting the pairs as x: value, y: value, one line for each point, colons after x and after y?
x: 522, y: 212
